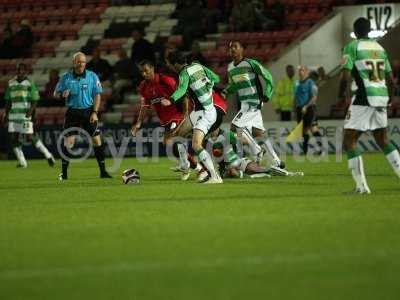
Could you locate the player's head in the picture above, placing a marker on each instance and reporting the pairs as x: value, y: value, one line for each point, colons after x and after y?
x: 362, y: 27
x: 79, y: 62
x: 303, y: 72
x: 314, y: 75
x: 22, y: 71
x: 236, y: 50
x: 176, y: 60
x: 137, y: 34
x: 290, y: 71
x: 147, y: 69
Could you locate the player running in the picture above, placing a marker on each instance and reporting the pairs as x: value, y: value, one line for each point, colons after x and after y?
x: 366, y: 61
x: 22, y: 96
x: 153, y: 88
x: 198, y: 81
x: 253, y: 84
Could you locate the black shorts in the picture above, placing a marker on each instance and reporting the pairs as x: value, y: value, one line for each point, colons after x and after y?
x: 309, y: 118
x: 218, y: 121
x: 80, y: 118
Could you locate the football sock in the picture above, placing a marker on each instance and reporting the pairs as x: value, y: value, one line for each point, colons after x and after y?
x: 393, y: 157
x: 255, y: 148
x: 356, y: 166
x: 270, y: 153
x: 306, y: 138
x: 99, y: 153
x: 183, y: 156
x: 318, y: 137
x: 20, y: 156
x: 65, y: 160
x: 42, y: 148
x: 205, y: 158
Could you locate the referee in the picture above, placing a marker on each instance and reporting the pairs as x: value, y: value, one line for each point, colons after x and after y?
x: 81, y: 89
x: 306, y: 93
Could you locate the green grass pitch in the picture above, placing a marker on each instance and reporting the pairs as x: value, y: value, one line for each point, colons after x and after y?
x: 279, y: 238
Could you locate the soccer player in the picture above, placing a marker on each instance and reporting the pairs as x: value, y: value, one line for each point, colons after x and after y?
x: 230, y: 165
x: 153, y: 88
x: 253, y: 84
x: 366, y: 61
x: 198, y: 81
x: 306, y: 94
x: 21, y: 96
x: 81, y: 90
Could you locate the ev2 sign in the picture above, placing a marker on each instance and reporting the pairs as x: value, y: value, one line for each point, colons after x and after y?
x: 381, y: 16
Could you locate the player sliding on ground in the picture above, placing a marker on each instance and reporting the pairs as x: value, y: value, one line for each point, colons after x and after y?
x: 224, y: 145
x: 198, y: 81
x: 153, y: 88
x: 253, y: 84
x: 367, y: 62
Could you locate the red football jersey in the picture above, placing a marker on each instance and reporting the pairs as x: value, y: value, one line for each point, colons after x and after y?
x: 153, y: 91
x: 220, y: 102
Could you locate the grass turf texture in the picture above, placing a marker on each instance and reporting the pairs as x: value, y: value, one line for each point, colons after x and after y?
x: 279, y: 238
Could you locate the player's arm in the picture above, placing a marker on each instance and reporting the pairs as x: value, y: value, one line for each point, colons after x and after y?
x: 97, y: 90
x: 347, y: 64
x: 211, y: 75
x: 185, y: 106
x: 136, y: 126
x: 34, y: 99
x: 180, y: 91
x: 314, y: 94
x: 390, y: 82
x: 266, y: 82
x: 8, y: 105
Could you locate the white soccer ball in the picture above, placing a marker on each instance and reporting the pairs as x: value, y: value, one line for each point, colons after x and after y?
x: 130, y: 176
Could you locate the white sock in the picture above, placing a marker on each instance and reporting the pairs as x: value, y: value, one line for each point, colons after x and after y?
x: 356, y: 166
x: 249, y: 140
x: 42, y: 148
x: 20, y: 156
x: 271, y: 154
x: 183, y: 160
x: 198, y: 168
x: 394, y: 160
x: 205, y: 158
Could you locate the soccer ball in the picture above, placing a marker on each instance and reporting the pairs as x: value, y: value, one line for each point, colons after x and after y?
x: 130, y: 176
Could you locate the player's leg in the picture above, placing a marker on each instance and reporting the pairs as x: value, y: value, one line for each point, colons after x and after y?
x: 17, y: 147
x: 42, y: 149
x: 98, y: 148
x: 390, y: 150
x: 66, y: 155
x: 267, y: 146
x: 355, y: 161
x: 241, y: 125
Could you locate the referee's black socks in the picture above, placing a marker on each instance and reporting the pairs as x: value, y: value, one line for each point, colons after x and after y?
x: 99, y: 153
x: 65, y: 161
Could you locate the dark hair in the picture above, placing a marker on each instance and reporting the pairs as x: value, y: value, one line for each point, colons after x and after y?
x: 144, y: 62
x: 314, y: 75
x: 177, y: 57
x: 236, y: 41
x: 362, y: 27
x: 22, y: 65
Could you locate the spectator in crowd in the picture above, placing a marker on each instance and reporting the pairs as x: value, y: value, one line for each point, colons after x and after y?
x: 48, y: 98
x: 6, y: 50
x: 242, y: 16
x: 104, y: 71
x: 321, y: 76
x: 263, y: 17
x: 23, y: 39
x: 100, y: 66
x: 142, y: 49
x: 162, y: 66
x: 283, y: 99
x: 125, y: 75
x: 190, y: 18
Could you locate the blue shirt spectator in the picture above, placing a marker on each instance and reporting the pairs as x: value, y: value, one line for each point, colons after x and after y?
x: 83, y: 88
x: 305, y: 91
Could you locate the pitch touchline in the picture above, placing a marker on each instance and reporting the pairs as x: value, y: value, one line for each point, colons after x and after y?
x: 200, y: 263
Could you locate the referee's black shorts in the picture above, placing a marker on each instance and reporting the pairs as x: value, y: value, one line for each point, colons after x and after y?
x: 309, y: 118
x: 80, y: 118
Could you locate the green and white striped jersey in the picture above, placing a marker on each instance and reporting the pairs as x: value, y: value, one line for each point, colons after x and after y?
x: 250, y: 80
x: 226, y: 142
x: 369, y: 65
x: 20, y: 94
x: 200, y: 81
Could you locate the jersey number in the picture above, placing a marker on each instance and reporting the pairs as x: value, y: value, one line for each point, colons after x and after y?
x: 376, y: 70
